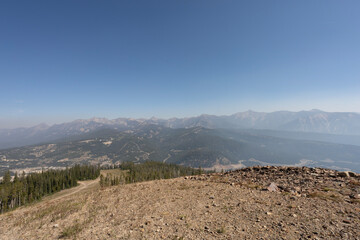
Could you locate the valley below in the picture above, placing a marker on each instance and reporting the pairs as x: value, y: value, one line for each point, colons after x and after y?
x: 307, y: 138
x: 218, y: 149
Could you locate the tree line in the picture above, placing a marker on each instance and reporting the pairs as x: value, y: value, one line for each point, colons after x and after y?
x: 146, y: 171
x: 25, y: 189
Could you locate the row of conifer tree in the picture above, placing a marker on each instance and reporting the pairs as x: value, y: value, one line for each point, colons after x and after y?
x: 146, y: 171
x: 25, y: 189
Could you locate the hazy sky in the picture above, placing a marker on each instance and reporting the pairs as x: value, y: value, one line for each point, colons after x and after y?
x: 63, y: 60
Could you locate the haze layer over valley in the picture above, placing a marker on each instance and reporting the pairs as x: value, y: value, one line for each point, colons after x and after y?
x: 307, y: 138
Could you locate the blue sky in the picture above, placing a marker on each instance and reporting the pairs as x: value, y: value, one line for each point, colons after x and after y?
x: 64, y: 60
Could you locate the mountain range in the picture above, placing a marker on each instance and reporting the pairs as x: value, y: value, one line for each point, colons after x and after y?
x: 314, y: 121
x: 308, y: 138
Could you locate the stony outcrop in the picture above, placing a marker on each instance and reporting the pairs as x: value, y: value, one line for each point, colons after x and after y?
x: 298, y: 181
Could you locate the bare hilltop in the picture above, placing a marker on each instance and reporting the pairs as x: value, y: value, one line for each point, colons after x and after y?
x: 250, y: 203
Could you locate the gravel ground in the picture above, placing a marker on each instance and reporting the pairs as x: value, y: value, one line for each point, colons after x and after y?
x: 218, y: 206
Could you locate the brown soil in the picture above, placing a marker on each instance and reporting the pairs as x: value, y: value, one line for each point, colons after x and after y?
x: 234, y: 205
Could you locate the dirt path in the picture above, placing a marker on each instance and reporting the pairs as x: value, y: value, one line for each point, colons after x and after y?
x: 83, y: 186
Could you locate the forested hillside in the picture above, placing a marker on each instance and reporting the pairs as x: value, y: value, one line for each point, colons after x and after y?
x: 28, y: 188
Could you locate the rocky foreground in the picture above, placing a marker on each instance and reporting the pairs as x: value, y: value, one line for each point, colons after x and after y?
x: 304, y: 181
x: 251, y: 203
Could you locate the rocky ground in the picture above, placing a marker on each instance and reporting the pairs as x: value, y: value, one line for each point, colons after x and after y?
x: 251, y: 203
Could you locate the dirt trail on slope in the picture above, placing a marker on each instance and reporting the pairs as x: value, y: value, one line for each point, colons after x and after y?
x: 83, y: 186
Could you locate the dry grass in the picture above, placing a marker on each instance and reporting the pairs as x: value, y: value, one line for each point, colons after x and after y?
x: 114, y: 172
x: 291, y: 206
x: 184, y: 186
x: 326, y: 196
x: 354, y: 183
x: 327, y: 189
x: 253, y: 186
x: 52, y: 212
x: 221, y: 230
x: 57, y: 206
x: 355, y: 201
x: 72, y: 231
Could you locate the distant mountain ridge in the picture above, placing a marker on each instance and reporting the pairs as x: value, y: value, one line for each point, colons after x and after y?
x: 316, y: 121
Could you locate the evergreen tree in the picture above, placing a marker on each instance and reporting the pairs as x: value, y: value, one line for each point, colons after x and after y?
x: 34, y: 186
